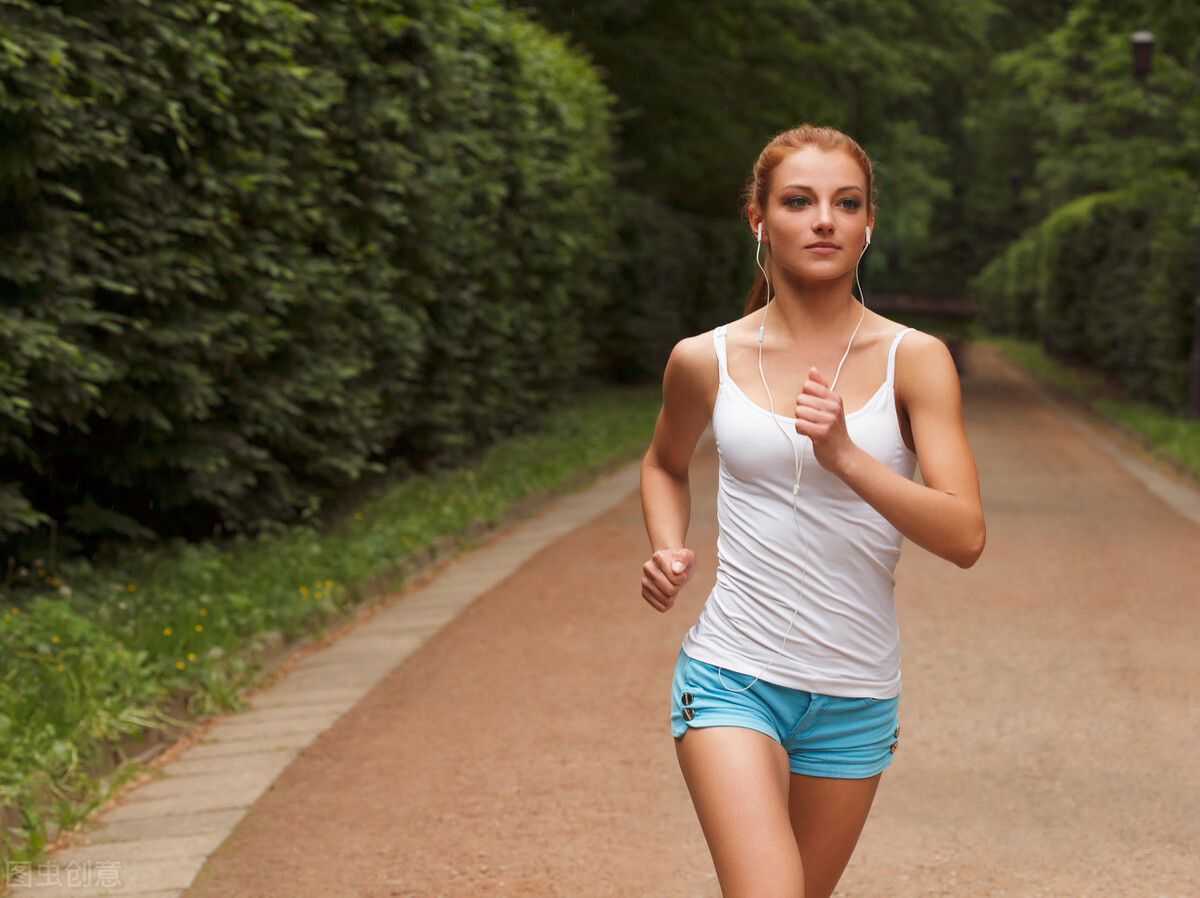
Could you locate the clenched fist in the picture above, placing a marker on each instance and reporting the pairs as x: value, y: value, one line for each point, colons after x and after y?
x: 665, y: 574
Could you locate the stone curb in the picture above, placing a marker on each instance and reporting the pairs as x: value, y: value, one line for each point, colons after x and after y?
x: 158, y: 838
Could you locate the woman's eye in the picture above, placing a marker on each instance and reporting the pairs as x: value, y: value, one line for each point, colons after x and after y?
x: 800, y: 202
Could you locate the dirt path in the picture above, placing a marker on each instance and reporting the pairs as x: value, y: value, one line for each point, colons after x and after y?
x: 1050, y: 716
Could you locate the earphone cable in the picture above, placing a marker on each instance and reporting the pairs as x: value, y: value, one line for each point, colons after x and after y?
x: 797, y: 454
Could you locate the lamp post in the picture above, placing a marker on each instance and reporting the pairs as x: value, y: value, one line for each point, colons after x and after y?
x: 1014, y: 185
x: 1143, y: 53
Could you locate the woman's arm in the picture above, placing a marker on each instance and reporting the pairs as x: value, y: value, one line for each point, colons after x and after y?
x: 689, y: 388
x: 945, y: 514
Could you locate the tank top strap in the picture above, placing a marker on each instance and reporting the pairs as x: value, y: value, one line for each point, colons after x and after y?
x: 722, y: 360
x: 891, y: 366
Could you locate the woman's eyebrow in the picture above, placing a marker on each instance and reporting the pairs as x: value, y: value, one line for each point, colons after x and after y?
x: 812, y: 190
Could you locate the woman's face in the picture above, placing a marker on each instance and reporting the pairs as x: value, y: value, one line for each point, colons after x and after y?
x: 816, y: 217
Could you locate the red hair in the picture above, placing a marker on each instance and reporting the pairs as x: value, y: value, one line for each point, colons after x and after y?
x: 782, y: 145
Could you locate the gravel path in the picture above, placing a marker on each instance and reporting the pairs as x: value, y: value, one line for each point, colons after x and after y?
x: 1050, y: 714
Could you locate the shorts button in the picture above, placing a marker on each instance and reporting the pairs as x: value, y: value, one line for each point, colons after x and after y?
x: 686, y: 698
x: 688, y: 713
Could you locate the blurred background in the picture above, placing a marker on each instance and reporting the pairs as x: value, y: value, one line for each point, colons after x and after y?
x: 293, y: 295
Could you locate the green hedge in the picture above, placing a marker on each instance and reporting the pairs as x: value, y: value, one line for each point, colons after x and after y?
x: 252, y: 249
x: 1106, y: 281
x: 678, y: 274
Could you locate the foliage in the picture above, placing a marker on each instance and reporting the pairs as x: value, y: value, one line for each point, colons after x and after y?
x: 698, y: 95
x: 664, y: 254
x: 251, y: 250
x: 89, y: 655
x: 1172, y: 437
x: 1061, y: 114
x: 1086, y: 200
x: 1079, y: 283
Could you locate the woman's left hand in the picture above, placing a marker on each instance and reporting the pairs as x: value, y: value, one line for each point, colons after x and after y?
x: 821, y: 417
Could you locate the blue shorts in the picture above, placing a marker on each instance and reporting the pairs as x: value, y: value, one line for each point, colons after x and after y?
x: 824, y: 735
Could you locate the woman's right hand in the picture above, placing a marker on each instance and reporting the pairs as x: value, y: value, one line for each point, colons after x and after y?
x: 665, y: 574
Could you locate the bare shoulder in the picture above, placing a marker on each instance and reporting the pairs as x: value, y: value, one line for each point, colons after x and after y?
x: 879, y: 331
x: 695, y: 352
x: 689, y: 392
x: 925, y: 369
x: 919, y: 345
x: 692, y: 372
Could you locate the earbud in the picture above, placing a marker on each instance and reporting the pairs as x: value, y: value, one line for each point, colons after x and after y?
x: 760, y: 232
x: 868, y: 235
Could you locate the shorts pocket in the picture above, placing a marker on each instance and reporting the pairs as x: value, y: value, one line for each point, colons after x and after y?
x: 682, y: 696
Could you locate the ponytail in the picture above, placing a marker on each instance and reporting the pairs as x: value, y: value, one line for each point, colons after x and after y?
x: 757, y: 297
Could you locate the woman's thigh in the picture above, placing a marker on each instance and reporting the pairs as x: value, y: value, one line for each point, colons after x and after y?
x: 740, y: 784
x: 827, y: 817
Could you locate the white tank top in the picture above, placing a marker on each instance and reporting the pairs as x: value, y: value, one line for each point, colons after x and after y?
x: 845, y: 640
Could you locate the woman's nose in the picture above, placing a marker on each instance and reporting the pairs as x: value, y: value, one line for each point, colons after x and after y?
x: 824, y: 217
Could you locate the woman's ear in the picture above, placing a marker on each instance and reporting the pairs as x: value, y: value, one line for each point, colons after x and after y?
x: 756, y: 226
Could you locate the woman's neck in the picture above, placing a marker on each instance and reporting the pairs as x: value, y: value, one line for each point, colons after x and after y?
x: 814, y: 309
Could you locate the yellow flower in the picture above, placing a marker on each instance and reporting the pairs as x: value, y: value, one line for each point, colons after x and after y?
x: 54, y: 639
x: 167, y: 631
x: 204, y: 612
x: 132, y: 588
x: 180, y: 665
x: 316, y: 595
x: 358, y: 515
x: 303, y: 590
x: 14, y: 610
x: 199, y: 628
x: 329, y: 584
x: 60, y: 667
x: 191, y: 656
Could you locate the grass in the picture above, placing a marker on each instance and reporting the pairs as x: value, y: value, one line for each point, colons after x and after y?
x: 1172, y: 437
x: 91, y: 655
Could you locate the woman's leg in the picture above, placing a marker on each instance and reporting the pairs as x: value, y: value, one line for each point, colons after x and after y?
x: 739, y: 782
x: 827, y: 817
